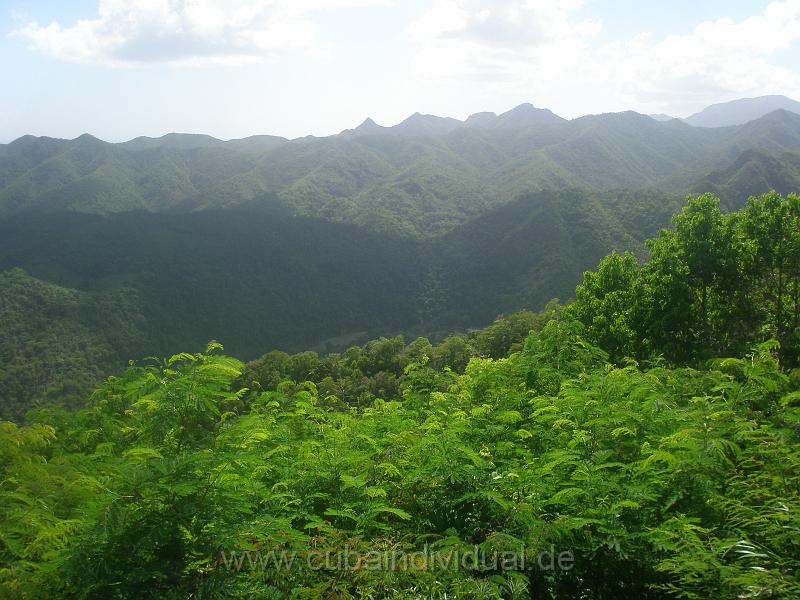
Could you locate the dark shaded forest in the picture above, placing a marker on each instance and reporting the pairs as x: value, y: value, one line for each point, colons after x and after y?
x: 141, y: 284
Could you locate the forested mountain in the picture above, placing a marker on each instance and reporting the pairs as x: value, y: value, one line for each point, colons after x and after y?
x: 661, y: 117
x: 427, y: 227
x: 420, y: 178
x: 263, y: 279
x: 640, y: 443
x: 752, y: 172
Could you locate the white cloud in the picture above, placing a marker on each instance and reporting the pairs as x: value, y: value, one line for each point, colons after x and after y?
x: 186, y: 31
x: 503, y: 41
x: 718, y: 59
x: 542, y: 49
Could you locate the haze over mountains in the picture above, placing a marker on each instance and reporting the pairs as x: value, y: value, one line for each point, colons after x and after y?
x: 735, y: 112
x: 524, y: 115
x: 432, y: 225
x: 738, y: 112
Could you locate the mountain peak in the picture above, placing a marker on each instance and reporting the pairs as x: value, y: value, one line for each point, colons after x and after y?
x: 417, y: 118
x: 369, y: 126
x: 174, y: 140
x: 661, y: 117
x: 420, y: 124
x: 24, y: 140
x: 743, y: 110
x: 778, y: 122
x: 524, y: 107
x: 87, y: 137
x: 525, y: 115
x: 781, y: 114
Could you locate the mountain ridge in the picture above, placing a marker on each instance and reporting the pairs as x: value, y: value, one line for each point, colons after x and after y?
x: 428, y: 124
x: 421, y: 184
x: 741, y: 111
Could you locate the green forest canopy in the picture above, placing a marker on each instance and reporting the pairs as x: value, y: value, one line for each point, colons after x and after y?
x: 135, y: 285
x: 609, y: 429
x: 420, y: 183
x: 134, y: 249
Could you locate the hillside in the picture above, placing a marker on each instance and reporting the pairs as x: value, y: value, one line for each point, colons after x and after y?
x: 264, y: 279
x: 58, y: 343
x: 420, y: 178
x: 751, y: 173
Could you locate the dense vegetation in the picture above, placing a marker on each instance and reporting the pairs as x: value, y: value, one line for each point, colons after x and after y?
x: 173, y: 281
x: 58, y: 343
x: 641, y: 442
x: 429, y: 227
x: 713, y: 285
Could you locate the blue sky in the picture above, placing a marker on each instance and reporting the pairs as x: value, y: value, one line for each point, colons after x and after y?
x: 232, y: 68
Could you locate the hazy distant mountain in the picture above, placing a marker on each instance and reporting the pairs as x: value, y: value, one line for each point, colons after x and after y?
x: 525, y: 115
x: 256, y: 143
x: 423, y: 125
x: 741, y: 111
x: 775, y: 132
x: 369, y: 127
x: 184, y: 141
x: 753, y: 171
x: 191, y: 141
x: 661, y: 117
x: 480, y: 119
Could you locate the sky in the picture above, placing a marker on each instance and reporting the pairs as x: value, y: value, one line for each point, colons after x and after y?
x: 231, y: 68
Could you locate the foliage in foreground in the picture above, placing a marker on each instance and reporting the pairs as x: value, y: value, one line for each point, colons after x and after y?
x: 661, y: 482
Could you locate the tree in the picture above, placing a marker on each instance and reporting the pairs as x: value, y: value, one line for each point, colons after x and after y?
x: 604, y: 303
x: 771, y: 226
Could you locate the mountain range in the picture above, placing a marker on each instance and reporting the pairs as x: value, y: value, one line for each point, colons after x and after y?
x: 725, y: 114
x: 121, y: 251
x: 419, y: 178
